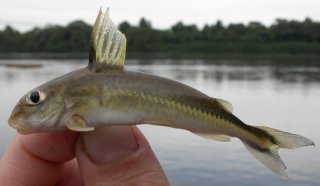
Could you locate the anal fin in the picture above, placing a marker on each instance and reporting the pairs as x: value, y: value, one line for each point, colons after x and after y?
x: 215, y: 137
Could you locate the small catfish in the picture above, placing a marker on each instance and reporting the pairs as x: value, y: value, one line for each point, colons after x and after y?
x: 105, y: 94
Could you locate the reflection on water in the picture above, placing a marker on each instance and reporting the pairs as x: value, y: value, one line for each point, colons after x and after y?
x: 280, y: 96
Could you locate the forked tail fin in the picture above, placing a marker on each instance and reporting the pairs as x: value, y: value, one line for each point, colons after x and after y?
x: 269, y: 157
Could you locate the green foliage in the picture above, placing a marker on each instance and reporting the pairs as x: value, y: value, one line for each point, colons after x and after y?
x: 283, y: 36
x: 10, y: 40
x: 72, y: 38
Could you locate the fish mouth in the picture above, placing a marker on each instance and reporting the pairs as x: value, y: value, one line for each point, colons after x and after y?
x: 14, y: 124
x: 23, y: 131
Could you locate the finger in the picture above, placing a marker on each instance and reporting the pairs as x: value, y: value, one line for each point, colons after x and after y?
x: 118, y: 156
x: 36, y: 159
x: 71, y: 175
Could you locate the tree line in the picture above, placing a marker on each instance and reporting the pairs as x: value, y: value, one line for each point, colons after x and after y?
x: 284, y: 36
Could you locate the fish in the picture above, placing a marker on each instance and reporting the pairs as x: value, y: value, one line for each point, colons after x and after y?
x: 105, y: 94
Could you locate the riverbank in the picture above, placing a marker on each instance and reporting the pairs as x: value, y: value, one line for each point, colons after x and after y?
x: 161, y: 56
x: 231, y: 58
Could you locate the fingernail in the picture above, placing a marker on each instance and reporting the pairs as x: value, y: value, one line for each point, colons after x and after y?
x: 109, y: 144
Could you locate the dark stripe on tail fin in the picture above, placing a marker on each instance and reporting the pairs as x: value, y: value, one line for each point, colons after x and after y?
x: 287, y: 140
x: 269, y: 157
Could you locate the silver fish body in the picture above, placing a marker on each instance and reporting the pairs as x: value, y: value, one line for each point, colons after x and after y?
x: 146, y: 98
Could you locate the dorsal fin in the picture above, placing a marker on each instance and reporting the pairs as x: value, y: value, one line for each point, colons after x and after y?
x: 108, y: 45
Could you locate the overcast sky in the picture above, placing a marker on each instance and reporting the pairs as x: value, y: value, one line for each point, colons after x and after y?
x: 26, y: 14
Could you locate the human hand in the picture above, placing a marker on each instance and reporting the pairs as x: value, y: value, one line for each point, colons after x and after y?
x: 107, y: 156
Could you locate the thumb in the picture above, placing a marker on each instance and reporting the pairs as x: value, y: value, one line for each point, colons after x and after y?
x: 118, y: 156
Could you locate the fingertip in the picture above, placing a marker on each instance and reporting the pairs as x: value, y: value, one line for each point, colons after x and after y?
x: 36, y: 159
x: 71, y: 174
x: 54, y: 147
x: 136, y: 167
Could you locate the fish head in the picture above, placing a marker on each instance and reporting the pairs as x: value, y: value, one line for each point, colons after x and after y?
x: 38, y: 110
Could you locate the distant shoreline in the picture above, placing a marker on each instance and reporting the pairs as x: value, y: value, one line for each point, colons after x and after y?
x: 181, y: 41
x: 176, y: 58
x: 162, y: 56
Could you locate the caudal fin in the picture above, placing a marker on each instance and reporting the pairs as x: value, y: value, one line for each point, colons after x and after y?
x: 269, y: 157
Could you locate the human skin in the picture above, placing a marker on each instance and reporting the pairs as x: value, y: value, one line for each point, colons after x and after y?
x: 108, y: 156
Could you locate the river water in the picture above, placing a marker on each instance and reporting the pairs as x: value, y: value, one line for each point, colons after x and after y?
x: 286, y: 97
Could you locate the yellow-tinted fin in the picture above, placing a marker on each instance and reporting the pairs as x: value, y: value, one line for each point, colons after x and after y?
x: 225, y: 104
x: 269, y: 156
x: 79, y: 128
x: 270, y: 159
x: 215, y: 137
x: 108, y: 45
x: 78, y: 124
x: 287, y: 140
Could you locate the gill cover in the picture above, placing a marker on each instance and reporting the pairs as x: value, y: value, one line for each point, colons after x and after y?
x: 108, y: 45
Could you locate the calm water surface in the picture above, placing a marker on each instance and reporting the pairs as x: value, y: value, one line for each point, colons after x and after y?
x: 282, y: 97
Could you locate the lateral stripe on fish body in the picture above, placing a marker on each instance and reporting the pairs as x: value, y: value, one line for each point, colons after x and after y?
x: 104, y: 93
x: 179, y: 106
x: 208, y: 115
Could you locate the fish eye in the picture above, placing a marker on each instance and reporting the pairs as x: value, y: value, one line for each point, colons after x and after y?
x: 35, y: 97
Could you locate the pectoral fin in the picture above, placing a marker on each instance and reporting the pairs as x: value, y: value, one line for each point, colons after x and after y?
x: 78, y: 124
x: 77, y: 110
